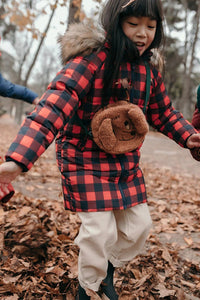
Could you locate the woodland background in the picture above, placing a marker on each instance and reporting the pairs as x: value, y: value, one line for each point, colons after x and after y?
x: 38, y: 259
x: 30, y: 28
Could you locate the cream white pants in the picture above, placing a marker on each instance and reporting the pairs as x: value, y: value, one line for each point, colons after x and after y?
x: 117, y: 236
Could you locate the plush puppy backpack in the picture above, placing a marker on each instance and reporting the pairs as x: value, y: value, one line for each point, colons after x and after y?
x: 121, y: 127
x: 196, y: 123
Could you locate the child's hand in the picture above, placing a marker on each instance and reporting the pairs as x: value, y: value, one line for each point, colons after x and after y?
x: 193, y: 141
x: 9, y: 171
x: 36, y: 100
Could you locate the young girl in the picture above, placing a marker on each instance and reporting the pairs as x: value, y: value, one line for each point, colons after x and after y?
x: 106, y: 190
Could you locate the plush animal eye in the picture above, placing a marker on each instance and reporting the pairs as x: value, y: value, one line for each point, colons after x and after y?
x: 132, y: 133
x: 126, y: 123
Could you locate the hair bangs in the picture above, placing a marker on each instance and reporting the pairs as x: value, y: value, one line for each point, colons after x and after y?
x: 143, y: 8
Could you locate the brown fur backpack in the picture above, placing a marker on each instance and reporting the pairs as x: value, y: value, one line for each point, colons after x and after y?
x: 119, y: 128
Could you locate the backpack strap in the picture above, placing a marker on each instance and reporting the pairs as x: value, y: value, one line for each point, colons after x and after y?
x: 88, y: 132
x: 148, y: 85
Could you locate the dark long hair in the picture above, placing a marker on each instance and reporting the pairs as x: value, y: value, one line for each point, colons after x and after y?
x: 120, y: 45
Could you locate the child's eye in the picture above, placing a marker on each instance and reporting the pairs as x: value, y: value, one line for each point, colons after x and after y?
x: 132, y: 24
x: 151, y: 27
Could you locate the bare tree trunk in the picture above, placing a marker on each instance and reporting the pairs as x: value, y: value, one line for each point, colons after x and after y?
x: 180, y: 102
x: 20, y: 105
x: 74, y: 12
x: 41, y: 42
x: 186, y: 91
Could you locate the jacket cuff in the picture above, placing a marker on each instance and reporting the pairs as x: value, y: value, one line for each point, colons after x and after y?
x: 22, y: 166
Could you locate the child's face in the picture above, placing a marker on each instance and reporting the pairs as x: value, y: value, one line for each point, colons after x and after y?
x: 140, y: 30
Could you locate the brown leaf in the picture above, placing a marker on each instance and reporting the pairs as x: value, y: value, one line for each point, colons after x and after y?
x: 189, y: 241
x: 163, y: 291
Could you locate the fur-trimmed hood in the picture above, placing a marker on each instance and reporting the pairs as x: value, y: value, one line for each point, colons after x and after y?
x: 82, y: 39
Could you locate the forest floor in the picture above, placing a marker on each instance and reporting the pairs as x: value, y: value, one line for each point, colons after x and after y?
x: 38, y: 258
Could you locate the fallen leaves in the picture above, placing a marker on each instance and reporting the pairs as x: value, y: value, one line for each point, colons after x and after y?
x: 38, y: 257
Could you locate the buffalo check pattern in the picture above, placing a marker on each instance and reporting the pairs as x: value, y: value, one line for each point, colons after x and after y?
x: 93, y: 180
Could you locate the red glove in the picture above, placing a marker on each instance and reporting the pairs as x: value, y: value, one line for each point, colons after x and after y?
x: 196, y: 123
x: 6, y: 190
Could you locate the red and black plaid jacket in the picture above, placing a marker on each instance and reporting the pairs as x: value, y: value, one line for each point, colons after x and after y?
x: 92, y: 179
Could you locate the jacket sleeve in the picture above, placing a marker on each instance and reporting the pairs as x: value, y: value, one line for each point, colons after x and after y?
x: 162, y: 116
x: 16, y: 91
x: 54, y: 110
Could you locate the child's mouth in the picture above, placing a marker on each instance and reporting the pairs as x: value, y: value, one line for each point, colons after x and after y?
x: 140, y: 46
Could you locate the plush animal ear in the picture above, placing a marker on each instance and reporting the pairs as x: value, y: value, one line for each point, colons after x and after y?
x: 138, y: 119
x: 106, y: 135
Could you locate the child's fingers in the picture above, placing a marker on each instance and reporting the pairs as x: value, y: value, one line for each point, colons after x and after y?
x: 3, y: 189
x: 193, y: 141
x: 9, y: 171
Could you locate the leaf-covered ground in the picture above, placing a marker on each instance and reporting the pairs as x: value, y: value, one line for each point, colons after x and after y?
x: 38, y: 259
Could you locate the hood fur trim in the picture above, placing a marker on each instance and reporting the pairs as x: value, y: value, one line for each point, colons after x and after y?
x: 80, y: 40
x: 157, y: 60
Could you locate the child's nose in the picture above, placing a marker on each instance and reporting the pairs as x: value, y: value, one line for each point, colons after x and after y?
x: 141, y: 31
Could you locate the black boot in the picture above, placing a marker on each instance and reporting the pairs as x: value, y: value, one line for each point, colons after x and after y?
x: 82, y: 294
x: 107, y: 288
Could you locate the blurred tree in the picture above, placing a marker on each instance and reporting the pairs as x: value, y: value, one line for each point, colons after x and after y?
x: 75, y: 13
x: 19, y: 19
x: 191, y: 45
x: 21, y: 16
x: 182, y: 18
